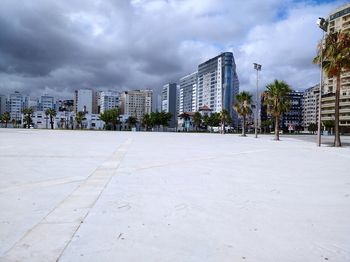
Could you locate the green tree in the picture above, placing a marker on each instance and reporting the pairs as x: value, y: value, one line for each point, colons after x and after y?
x: 160, y: 118
x: 111, y: 118
x: 214, y: 119
x: 243, y: 107
x: 132, y: 121
x: 146, y: 121
x: 312, y: 128
x: 206, y: 120
x: 336, y: 58
x: 328, y: 124
x: 197, y: 120
x: 51, y: 113
x: 155, y: 119
x: 79, y: 117
x: 266, y: 124
x: 277, y: 102
x: 28, y: 116
x: 225, y: 119
x: 6, y: 118
x: 186, y: 117
x: 165, y: 118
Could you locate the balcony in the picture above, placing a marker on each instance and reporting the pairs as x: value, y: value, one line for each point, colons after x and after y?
x: 328, y: 111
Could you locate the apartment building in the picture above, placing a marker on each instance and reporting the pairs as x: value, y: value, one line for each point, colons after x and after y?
x: 3, y: 104
x: 218, y: 84
x: 188, y: 93
x: 136, y: 103
x: 339, y: 20
x: 108, y: 100
x: 83, y: 100
x: 310, y: 106
x: 169, y: 97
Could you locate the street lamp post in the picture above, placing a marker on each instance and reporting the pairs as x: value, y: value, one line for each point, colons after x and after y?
x: 323, y: 24
x: 257, y: 67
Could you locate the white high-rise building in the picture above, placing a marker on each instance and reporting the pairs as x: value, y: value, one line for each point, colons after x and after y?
x: 2, y: 104
x: 136, y: 103
x: 188, y: 93
x: 218, y: 84
x: 83, y: 100
x: 310, y: 106
x: 108, y: 100
x: 46, y: 102
x: 17, y: 103
x: 169, y: 93
x: 339, y: 20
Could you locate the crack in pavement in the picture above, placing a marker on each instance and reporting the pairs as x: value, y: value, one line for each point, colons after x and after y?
x: 48, y: 240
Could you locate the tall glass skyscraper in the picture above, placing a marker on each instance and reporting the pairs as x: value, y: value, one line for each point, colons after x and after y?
x: 218, y: 84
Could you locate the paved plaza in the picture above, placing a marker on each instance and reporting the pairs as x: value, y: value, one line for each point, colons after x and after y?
x: 135, y: 196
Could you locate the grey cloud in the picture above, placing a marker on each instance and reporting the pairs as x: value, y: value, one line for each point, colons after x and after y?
x: 58, y: 46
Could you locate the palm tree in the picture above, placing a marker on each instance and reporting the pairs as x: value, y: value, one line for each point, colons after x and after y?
x: 277, y: 102
x: 336, y: 58
x: 6, y: 118
x: 28, y: 116
x: 243, y: 107
x: 197, y: 119
x: 52, y: 113
x: 225, y: 118
x: 146, y: 121
x: 132, y: 121
x: 80, y: 116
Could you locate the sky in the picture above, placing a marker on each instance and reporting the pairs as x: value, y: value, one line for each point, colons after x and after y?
x: 54, y: 47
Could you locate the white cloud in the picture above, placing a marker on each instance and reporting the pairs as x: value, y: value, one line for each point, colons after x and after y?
x: 284, y: 48
x: 146, y: 43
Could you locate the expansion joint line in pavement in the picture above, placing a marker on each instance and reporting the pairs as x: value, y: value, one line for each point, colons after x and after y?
x: 48, y: 240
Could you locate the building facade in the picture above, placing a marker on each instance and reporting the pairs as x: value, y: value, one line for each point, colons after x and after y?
x: 169, y: 97
x: 3, y: 103
x: 17, y: 102
x: 289, y: 121
x: 218, y: 84
x: 339, y: 20
x: 293, y: 119
x: 108, y: 100
x: 46, y: 102
x: 83, y: 100
x: 136, y: 103
x: 188, y: 93
x: 310, y: 106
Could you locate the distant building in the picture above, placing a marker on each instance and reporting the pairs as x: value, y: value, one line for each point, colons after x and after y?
x: 45, y: 103
x: 136, y: 103
x: 3, y: 102
x: 83, y: 100
x: 169, y: 96
x: 17, y: 102
x: 64, y: 105
x: 188, y: 93
x: 293, y: 119
x: 108, y: 100
x: 339, y: 20
x: 95, y: 102
x: 65, y: 120
x: 218, y: 84
x: 310, y: 106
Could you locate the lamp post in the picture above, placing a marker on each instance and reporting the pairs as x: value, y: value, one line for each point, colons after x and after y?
x: 257, y: 67
x: 323, y: 24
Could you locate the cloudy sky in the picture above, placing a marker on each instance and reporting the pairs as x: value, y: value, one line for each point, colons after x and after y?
x: 57, y: 46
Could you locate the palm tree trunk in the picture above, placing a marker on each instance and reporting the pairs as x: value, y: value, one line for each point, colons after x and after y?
x: 243, y: 126
x: 337, y: 142
x: 277, y: 133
